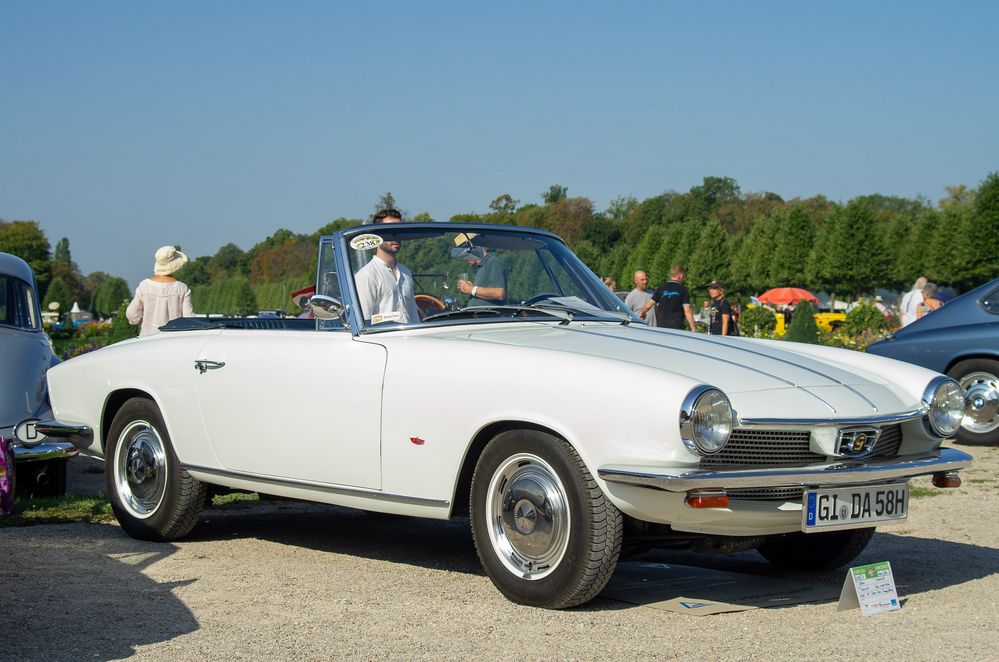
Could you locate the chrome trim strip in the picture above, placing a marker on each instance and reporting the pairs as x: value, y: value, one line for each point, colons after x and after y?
x: 320, y: 487
x: 834, y: 422
x: 843, y: 472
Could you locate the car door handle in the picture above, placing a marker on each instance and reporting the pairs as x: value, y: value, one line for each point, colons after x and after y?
x: 204, y: 365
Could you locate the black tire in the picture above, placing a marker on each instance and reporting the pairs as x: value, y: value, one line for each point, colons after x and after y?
x: 980, y: 377
x: 152, y: 497
x: 815, y: 551
x: 545, y: 533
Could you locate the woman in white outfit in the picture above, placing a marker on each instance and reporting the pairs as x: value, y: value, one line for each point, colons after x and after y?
x: 161, y: 298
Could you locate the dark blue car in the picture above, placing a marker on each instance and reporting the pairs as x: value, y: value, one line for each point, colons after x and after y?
x: 960, y: 339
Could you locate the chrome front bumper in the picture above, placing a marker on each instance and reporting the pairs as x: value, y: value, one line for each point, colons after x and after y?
x: 843, y: 472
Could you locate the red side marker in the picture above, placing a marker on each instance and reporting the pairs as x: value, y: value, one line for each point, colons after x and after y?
x: 417, y: 441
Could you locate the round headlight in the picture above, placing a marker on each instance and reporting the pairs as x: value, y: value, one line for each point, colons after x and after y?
x: 944, y: 400
x: 706, y: 420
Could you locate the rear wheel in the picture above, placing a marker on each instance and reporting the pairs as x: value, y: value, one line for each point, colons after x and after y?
x: 980, y: 380
x: 152, y: 497
x: 545, y: 533
x: 815, y: 551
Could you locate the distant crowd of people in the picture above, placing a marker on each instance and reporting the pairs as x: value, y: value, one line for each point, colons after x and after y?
x: 668, y: 306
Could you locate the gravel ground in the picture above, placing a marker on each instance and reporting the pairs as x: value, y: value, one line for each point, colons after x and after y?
x: 294, y: 581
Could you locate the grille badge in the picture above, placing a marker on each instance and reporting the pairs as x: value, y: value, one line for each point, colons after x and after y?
x: 857, y: 442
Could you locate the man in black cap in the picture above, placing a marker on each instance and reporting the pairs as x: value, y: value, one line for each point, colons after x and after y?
x: 722, y: 322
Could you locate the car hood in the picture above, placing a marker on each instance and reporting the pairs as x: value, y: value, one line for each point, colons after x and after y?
x: 754, y: 373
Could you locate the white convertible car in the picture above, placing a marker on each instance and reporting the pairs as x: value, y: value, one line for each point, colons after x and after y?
x: 494, y: 376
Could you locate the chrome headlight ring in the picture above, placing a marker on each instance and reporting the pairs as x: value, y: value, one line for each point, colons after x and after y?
x: 706, y: 420
x: 943, y: 400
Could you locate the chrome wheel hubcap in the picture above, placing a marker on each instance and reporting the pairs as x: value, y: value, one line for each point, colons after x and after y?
x: 528, y: 516
x: 981, y: 402
x: 140, y: 469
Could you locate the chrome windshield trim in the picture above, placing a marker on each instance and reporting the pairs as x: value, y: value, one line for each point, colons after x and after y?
x: 834, y: 422
x: 319, y: 487
x: 842, y: 472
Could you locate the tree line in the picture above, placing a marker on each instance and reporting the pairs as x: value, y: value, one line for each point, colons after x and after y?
x: 751, y: 241
x: 58, y: 276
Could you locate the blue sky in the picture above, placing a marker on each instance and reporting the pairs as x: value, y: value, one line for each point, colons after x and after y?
x: 128, y: 125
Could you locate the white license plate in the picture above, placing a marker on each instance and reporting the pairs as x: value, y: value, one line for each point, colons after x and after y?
x: 825, y: 510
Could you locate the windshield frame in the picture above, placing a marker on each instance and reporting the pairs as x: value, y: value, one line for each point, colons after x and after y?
x: 590, y: 282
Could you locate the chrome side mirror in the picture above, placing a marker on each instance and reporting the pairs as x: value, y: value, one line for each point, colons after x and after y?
x: 326, y: 308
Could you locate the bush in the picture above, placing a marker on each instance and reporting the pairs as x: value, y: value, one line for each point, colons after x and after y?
x: 757, y: 322
x: 803, y: 327
x: 120, y: 328
x: 866, y: 317
x: 94, y: 329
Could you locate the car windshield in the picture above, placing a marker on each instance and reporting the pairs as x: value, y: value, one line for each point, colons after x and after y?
x: 17, y: 304
x: 443, y: 273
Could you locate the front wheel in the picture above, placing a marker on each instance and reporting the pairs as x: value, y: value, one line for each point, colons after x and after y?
x: 815, y: 551
x: 152, y: 497
x: 545, y: 533
x: 980, y: 380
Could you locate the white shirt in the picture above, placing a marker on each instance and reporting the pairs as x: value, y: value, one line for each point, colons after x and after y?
x: 386, y: 294
x: 910, y: 306
x: 157, y: 303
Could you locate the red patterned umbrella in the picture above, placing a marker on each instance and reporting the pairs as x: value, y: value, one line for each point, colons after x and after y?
x: 784, y: 295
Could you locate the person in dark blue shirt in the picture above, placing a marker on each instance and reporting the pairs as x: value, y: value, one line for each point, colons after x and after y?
x: 672, y: 302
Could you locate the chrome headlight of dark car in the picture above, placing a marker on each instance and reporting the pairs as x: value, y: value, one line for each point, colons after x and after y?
x: 944, y: 402
x: 706, y: 420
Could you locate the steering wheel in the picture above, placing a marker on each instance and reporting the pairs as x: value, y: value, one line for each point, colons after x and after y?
x: 540, y: 297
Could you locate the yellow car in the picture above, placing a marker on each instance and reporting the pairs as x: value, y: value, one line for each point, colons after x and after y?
x: 826, y: 322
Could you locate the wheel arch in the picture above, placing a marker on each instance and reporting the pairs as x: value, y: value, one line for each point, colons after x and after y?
x: 463, y: 486
x: 114, y: 402
x: 971, y: 357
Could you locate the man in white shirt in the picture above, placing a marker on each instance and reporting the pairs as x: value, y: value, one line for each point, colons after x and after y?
x: 911, y: 301
x: 384, y: 285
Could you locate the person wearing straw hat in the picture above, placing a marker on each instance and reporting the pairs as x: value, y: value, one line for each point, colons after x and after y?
x: 162, y: 297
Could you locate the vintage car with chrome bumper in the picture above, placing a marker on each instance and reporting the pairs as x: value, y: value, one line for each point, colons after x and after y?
x: 500, y: 404
x: 25, y: 356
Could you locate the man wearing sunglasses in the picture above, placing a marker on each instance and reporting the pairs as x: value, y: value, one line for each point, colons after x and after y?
x: 385, y: 285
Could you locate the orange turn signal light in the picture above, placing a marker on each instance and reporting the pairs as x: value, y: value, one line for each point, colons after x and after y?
x: 946, y: 479
x: 707, y: 499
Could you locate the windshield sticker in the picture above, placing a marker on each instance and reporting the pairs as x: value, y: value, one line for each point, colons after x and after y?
x: 363, y: 242
x: 386, y: 317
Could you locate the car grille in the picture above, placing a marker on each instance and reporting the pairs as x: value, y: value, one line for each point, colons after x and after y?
x: 772, y: 448
x: 780, y: 448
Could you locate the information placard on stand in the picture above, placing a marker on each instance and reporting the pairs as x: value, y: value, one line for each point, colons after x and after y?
x: 870, y: 587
